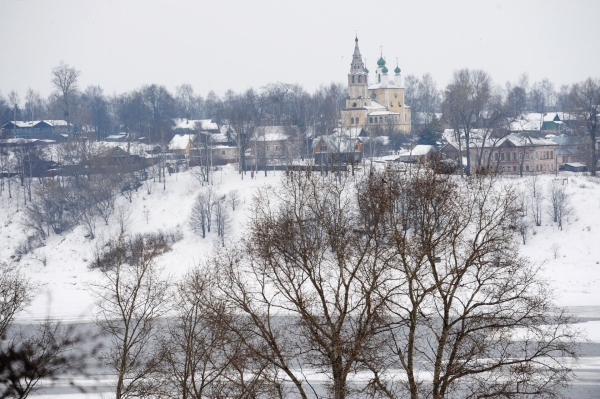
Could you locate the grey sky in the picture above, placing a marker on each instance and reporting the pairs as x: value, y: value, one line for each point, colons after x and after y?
x: 219, y: 45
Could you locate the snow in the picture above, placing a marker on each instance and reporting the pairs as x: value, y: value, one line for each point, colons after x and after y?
x: 59, y: 270
x: 62, y: 282
x: 181, y: 141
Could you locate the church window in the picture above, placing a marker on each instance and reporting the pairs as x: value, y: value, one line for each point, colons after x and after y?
x: 359, y: 79
x: 357, y: 121
x: 378, y: 78
x: 351, y: 120
x: 352, y: 78
x: 370, y: 119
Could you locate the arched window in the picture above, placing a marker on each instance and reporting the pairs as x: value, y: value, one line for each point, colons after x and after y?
x: 359, y: 79
x: 370, y: 119
x: 352, y: 78
x: 378, y: 78
x: 357, y: 120
x: 351, y: 120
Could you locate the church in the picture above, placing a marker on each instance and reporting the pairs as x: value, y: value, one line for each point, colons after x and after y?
x: 377, y: 107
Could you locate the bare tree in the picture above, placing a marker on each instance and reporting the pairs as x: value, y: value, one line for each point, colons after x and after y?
x: 16, y: 293
x: 124, y: 216
x: 313, y: 258
x: 64, y: 79
x: 460, y: 295
x: 27, y: 358
x: 222, y: 218
x: 199, y: 216
x: 466, y: 97
x: 585, y: 104
x: 198, y: 350
x: 234, y: 198
x: 131, y: 297
x: 560, y: 202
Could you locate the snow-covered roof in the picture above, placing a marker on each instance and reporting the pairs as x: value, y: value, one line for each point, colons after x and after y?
x: 181, y: 141
x: 521, y: 140
x: 380, y: 113
x: 391, y: 85
x: 348, y: 131
x: 337, y: 143
x: 422, y: 149
x: 273, y: 133
x: 374, y: 105
x: 32, y: 124
x: 194, y: 124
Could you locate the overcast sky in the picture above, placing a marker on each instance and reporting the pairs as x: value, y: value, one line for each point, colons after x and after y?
x: 220, y: 45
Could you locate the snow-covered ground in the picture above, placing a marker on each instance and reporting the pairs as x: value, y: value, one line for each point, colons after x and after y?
x: 570, y: 258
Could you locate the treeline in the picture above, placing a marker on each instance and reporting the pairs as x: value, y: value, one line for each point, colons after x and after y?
x: 147, y: 111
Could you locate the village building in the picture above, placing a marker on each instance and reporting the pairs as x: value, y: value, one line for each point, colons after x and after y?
x: 516, y: 154
x: 377, y: 106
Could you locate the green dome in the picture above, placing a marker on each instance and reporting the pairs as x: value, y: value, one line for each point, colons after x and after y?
x: 397, y: 70
x: 384, y: 70
x: 366, y: 70
x: 381, y: 62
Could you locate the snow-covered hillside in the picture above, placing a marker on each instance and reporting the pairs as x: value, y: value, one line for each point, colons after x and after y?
x: 570, y: 257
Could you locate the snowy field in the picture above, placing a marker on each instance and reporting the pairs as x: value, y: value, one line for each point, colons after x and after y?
x: 570, y: 258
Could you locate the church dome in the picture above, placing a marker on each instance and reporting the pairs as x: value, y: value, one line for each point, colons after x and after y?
x: 366, y: 70
x: 381, y: 62
x: 384, y: 70
x: 397, y: 70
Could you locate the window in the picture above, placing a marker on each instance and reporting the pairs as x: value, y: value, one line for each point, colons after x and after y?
x: 378, y: 78
x: 351, y: 120
x: 276, y: 147
x: 357, y: 121
x: 370, y: 119
x: 502, y: 156
x: 495, y: 156
x: 356, y: 147
x: 222, y: 152
x: 352, y: 78
x: 527, y: 156
x: 391, y: 104
x: 514, y: 168
x: 514, y: 156
x: 359, y: 79
x: 399, y: 104
x: 323, y: 148
x: 267, y: 148
x: 527, y: 168
x: 521, y: 156
x: 551, y: 154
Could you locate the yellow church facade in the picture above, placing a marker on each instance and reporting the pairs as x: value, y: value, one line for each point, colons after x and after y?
x: 378, y: 107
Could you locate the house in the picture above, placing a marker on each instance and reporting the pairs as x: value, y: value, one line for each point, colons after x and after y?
x: 275, y: 144
x: 419, y: 154
x: 45, y: 129
x: 517, y: 153
x: 536, y: 122
x: 181, y: 144
x: 337, y: 148
x: 570, y: 149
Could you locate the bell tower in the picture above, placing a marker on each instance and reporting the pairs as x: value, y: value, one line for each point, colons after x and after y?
x: 358, y: 76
